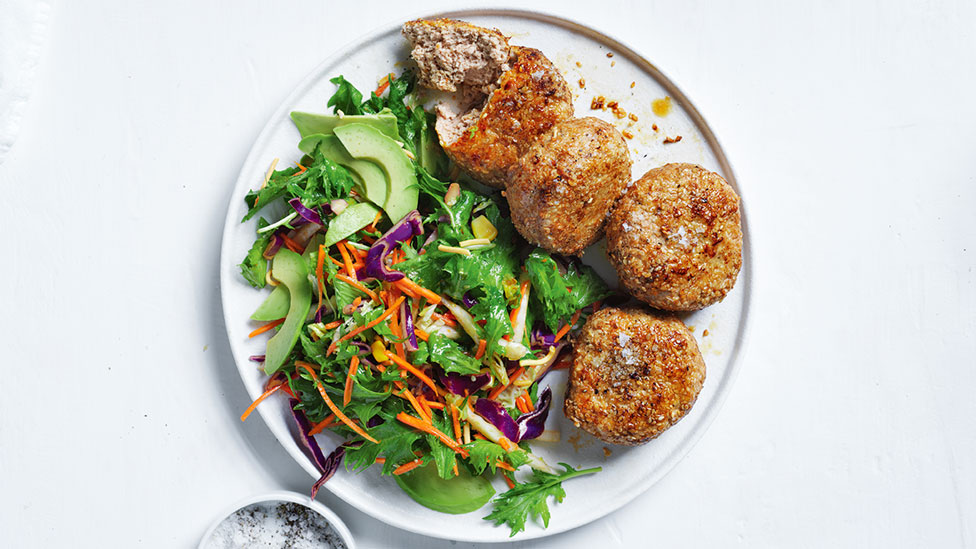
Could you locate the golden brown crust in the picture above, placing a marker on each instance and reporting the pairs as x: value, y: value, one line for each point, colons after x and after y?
x: 675, y: 238
x: 634, y: 375
x: 530, y: 99
x: 566, y: 183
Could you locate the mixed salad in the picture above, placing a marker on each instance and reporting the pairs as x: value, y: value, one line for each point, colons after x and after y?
x: 408, y: 316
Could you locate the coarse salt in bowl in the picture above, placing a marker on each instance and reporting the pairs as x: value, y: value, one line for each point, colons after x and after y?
x: 278, y: 519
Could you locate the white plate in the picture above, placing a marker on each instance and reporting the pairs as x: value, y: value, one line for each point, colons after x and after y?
x: 579, y: 52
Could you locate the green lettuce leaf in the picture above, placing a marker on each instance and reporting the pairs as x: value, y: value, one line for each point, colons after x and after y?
x: 450, y: 356
x: 444, y: 457
x: 514, y: 506
x: 555, y: 297
x: 254, y: 268
x: 346, y: 98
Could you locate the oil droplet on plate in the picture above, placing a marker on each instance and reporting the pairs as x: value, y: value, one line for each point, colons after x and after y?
x: 661, y: 107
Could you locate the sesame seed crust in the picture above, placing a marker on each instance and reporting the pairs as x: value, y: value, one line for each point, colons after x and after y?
x: 675, y: 238
x: 634, y: 375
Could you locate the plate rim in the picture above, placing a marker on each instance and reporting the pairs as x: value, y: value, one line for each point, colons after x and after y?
x: 620, y: 48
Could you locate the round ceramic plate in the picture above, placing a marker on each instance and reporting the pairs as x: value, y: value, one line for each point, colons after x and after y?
x: 594, y: 65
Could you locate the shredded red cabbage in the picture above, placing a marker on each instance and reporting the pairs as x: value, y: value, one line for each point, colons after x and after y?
x: 256, y: 358
x: 332, y: 464
x: 307, y: 440
x: 362, y: 346
x: 408, y: 330
x: 305, y: 213
x: 532, y: 424
x: 542, y: 339
x: 404, y: 230
x: 460, y: 384
x: 431, y: 238
x: 274, y: 245
x: 468, y: 300
x: 495, y: 414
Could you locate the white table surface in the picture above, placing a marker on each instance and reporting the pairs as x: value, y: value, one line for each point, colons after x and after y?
x: 852, y: 129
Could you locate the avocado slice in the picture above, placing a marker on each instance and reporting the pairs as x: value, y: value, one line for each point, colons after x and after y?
x: 275, y: 306
x: 370, y: 175
x: 461, y: 494
x: 289, y: 268
x: 368, y: 143
x: 310, y: 123
x: 351, y: 219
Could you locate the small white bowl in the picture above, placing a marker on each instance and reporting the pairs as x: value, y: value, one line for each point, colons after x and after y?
x: 282, y: 496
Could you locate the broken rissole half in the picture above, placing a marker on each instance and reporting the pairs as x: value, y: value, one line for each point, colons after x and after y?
x: 407, y: 316
x: 503, y: 97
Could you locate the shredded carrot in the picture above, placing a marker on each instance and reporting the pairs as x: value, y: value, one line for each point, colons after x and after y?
x: 481, y: 349
x: 356, y: 331
x: 319, y: 279
x: 421, y: 334
x: 528, y: 402
x: 505, y: 443
x: 562, y: 331
x: 350, y: 270
x: 336, y: 262
x: 356, y: 284
x: 358, y: 255
x: 371, y: 228
x: 347, y: 393
x: 511, y: 380
x: 288, y: 392
x: 565, y: 329
x: 408, y: 292
x: 508, y: 481
x: 447, y: 318
x: 292, y: 245
x: 457, y: 424
x: 335, y: 409
x: 454, y: 466
x: 420, y: 425
x: 520, y: 405
x: 332, y: 325
x: 380, y: 460
x: 515, y: 312
x: 435, y: 405
x: 329, y: 421
x: 416, y: 405
x: 502, y: 465
x: 401, y: 256
x: 397, y: 345
x: 384, y: 83
x: 260, y: 399
x: 307, y: 365
x: 407, y: 284
x: 407, y: 467
x: 415, y: 371
x: 426, y: 406
x: 481, y: 436
x: 266, y: 327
